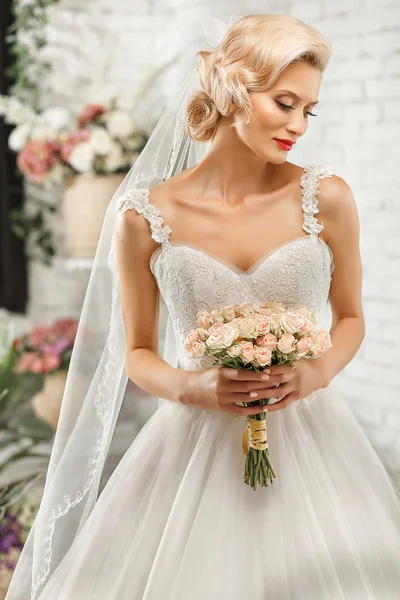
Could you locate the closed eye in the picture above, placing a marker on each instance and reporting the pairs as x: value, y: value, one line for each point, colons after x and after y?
x: 287, y: 107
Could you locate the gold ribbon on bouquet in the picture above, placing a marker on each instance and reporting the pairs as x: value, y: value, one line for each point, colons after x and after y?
x: 255, y: 435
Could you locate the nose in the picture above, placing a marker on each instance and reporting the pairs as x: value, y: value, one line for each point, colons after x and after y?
x: 298, y: 124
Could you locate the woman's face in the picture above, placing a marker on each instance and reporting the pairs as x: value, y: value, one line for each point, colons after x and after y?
x: 271, y: 120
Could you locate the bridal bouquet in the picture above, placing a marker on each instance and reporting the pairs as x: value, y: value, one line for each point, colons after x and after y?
x: 249, y: 336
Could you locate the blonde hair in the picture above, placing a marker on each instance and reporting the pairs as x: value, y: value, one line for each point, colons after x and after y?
x: 252, y: 55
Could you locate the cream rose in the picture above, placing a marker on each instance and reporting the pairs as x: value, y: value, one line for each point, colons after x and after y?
x: 228, y: 313
x: 221, y: 335
x: 247, y: 327
x: 217, y: 315
x: 273, y: 308
x: 291, y: 322
x: 246, y: 309
x: 234, y: 350
x: 323, y: 338
x: 287, y: 343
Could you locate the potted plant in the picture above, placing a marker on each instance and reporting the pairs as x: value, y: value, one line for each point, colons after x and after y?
x: 46, y: 350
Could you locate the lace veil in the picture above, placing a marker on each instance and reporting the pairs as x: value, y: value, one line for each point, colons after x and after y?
x: 97, y: 380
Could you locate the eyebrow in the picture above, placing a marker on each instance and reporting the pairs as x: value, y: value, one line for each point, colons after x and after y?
x: 296, y: 96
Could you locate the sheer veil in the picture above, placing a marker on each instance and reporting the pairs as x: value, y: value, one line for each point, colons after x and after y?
x: 97, y: 380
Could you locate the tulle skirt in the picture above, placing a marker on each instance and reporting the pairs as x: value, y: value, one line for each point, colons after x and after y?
x: 176, y: 521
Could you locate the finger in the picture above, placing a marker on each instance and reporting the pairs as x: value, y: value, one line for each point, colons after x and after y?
x: 283, y: 390
x: 280, y: 369
x: 283, y: 378
x: 283, y: 403
x: 242, y: 374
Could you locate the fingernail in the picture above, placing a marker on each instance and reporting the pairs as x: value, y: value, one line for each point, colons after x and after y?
x: 267, y: 370
x: 253, y: 395
x: 231, y: 372
x: 264, y: 377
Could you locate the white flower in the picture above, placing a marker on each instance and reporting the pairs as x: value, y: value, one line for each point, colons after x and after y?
x: 133, y: 142
x: 100, y: 141
x: 19, y: 137
x: 114, y: 159
x: 57, y: 117
x: 126, y: 100
x: 81, y: 157
x: 120, y: 124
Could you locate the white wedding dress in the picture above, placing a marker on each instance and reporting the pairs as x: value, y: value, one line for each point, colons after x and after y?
x: 175, y: 521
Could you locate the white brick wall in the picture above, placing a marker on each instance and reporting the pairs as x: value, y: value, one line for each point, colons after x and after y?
x: 356, y: 131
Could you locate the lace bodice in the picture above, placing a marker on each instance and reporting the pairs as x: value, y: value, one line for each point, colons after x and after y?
x: 297, y: 273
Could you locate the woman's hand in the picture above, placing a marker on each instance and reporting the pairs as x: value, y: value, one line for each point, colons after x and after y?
x: 219, y: 388
x: 306, y: 376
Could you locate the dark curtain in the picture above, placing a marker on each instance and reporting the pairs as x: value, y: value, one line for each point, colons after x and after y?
x: 13, y: 266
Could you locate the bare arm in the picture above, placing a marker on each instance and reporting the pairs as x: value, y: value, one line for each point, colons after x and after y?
x: 341, y: 228
x: 140, y: 306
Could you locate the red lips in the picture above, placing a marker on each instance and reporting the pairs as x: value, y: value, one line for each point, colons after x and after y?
x: 288, y: 142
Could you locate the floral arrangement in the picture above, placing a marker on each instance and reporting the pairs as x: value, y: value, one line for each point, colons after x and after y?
x: 15, y: 524
x: 105, y: 138
x: 47, y: 348
x: 249, y: 336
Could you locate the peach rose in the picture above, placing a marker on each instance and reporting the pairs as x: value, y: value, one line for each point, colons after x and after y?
x: 267, y: 341
x: 89, y: 113
x: 204, y: 319
x: 304, y: 346
x: 263, y: 324
x: 221, y: 336
x: 317, y: 351
x: 287, y: 343
x: 291, y: 322
x: 247, y: 351
x: 37, y: 159
x: 323, y: 338
x: 308, y: 327
x: 263, y: 356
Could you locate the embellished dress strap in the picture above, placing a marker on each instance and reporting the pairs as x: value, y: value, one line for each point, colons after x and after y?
x: 138, y: 199
x: 309, y: 183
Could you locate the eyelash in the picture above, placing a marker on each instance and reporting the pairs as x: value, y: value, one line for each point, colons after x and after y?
x: 286, y: 107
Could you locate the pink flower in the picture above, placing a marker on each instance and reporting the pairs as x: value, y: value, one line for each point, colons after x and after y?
x: 303, y: 346
x: 323, y: 338
x: 245, y: 309
x: 263, y: 356
x: 287, y: 343
x: 89, y: 113
x: 39, y: 335
x: 263, y: 324
x: 50, y: 362
x: 247, y: 351
x: 25, y: 361
x: 37, y: 158
x: 267, y: 341
x: 71, y: 140
x: 204, y: 319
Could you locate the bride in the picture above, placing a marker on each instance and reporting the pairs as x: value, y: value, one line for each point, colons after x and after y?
x: 212, y: 214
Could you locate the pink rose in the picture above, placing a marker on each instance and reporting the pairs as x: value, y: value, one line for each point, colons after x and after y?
x: 204, y: 319
x: 287, y: 343
x: 217, y: 316
x: 323, y: 338
x: 89, y: 113
x: 292, y: 322
x: 221, y: 336
x: 50, y: 362
x: 263, y: 356
x: 317, y: 351
x: 267, y: 341
x: 273, y: 308
x: 247, y: 352
x: 71, y: 140
x: 303, y: 347
x: 263, y: 324
x: 37, y: 158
